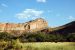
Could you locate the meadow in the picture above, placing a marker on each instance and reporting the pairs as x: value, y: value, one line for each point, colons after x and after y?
x: 40, y: 46
x: 49, y: 46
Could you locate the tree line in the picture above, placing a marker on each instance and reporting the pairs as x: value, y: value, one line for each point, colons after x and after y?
x: 39, y: 37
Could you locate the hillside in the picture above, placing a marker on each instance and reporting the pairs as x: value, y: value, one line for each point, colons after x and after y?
x: 67, y: 28
x: 65, y: 33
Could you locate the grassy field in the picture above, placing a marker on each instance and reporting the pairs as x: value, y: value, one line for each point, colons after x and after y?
x: 49, y: 46
x: 39, y: 46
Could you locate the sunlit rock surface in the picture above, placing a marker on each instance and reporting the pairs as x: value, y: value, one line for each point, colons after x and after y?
x: 31, y: 26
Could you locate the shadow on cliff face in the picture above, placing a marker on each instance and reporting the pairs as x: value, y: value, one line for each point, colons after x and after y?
x: 65, y: 29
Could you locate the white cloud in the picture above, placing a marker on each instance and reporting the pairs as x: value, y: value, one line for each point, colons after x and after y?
x: 4, y: 5
x: 43, y: 1
x: 30, y: 13
x: 71, y: 18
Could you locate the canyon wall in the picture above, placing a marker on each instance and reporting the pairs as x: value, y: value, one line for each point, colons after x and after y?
x: 31, y: 26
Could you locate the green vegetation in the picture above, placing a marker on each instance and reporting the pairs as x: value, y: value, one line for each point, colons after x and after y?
x: 37, y: 41
x: 16, y: 45
x: 50, y: 46
x: 39, y: 37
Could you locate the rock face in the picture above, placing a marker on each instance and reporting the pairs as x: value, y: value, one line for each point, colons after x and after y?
x: 66, y: 29
x: 31, y: 26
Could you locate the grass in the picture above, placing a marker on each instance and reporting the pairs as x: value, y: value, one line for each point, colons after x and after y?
x: 49, y: 46
x: 16, y: 45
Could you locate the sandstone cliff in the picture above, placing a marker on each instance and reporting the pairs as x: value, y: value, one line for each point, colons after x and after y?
x: 31, y: 26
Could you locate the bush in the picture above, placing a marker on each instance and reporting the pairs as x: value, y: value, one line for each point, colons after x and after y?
x: 38, y: 37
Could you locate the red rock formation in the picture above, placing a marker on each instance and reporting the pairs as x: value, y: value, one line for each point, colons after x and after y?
x: 31, y: 26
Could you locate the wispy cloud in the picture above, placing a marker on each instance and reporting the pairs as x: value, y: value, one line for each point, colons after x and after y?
x: 4, y: 5
x: 71, y: 18
x: 42, y: 1
x: 30, y: 13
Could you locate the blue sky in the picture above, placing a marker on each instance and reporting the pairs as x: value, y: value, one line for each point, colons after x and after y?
x: 56, y: 12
